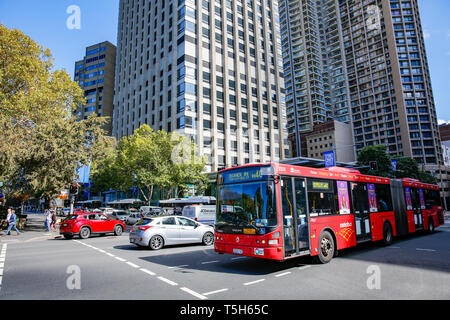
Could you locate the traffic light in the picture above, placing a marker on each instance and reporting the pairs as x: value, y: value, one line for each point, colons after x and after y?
x: 74, y: 189
x: 373, y: 165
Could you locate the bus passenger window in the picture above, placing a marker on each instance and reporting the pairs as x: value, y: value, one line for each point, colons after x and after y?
x: 384, y: 198
x: 432, y: 199
x: 321, y: 197
x: 360, y: 197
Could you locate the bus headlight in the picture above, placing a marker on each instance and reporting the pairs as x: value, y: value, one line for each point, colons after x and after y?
x: 272, y: 241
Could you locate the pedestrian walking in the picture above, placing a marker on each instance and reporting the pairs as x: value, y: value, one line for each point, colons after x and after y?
x: 7, y: 217
x: 53, y: 221
x: 141, y: 214
x: 48, y: 219
x: 12, y: 223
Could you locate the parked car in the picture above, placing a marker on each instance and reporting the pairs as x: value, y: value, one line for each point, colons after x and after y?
x: 157, y: 232
x: 133, y: 218
x: 119, y: 215
x: 205, y: 214
x: 85, y: 224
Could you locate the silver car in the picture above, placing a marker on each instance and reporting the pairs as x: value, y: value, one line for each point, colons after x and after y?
x: 157, y: 232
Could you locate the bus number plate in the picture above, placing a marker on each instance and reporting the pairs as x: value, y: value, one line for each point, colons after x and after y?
x: 237, y: 251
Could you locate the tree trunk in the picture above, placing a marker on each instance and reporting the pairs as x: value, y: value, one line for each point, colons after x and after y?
x: 169, y: 193
x: 143, y: 194
x: 150, y: 195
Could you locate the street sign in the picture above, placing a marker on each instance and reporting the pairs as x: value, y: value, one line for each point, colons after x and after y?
x: 330, y: 159
x: 394, y: 164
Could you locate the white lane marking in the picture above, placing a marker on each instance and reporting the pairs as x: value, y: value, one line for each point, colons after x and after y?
x: 120, y: 259
x: 238, y: 258
x: 110, y: 254
x: 208, y: 262
x: 282, y: 274
x: 253, y: 282
x: 213, y: 292
x: 183, y: 265
x: 168, y: 281
x: 2, y: 264
x: 102, y: 251
x: 430, y: 250
x: 304, y: 267
x: 147, y: 271
x: 195, y: 294
x: 132, y: 264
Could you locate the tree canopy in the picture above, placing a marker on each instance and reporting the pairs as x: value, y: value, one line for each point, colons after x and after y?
x: 41, y: 140
x: 147, y: 159
x: 406, y: 167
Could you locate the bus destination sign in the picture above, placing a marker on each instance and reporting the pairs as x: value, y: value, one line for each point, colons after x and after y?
x: 246, y: 174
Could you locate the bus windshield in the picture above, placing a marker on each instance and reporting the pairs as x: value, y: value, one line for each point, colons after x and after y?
x: 247, y: 205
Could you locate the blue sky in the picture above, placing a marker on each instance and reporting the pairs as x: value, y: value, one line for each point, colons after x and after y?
x: 45, y: 22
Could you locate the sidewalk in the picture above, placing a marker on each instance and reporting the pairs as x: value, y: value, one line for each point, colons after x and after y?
x: 34, y: 230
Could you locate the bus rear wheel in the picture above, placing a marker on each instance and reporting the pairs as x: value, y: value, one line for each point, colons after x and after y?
x: 326, y: 248
x: 387, y: 234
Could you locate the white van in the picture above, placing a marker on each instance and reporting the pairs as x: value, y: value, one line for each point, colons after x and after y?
x: 205, y: 214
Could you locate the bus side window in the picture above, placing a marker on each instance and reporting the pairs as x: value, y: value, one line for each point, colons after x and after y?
x: 384, y: 198
x: 360, y: 197
x: 432, y: 198
x: 321, y: 197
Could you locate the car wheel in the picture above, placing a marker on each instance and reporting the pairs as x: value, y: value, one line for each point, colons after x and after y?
x: 68, y: 236
x: 156, y: 242
x: 208, y: 239
x: 326, y: 248
x: 85, y: 233
x: 118, y: 230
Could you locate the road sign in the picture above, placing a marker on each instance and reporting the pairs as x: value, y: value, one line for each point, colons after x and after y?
x: 330, y: 159
x: 394, y: 164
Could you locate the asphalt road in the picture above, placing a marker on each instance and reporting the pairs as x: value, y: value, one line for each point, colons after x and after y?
x: 42, y: 267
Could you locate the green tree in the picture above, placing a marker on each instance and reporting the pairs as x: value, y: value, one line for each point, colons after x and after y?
x: 147, y: 159
x: 375, y: 153
x: 42, y: 143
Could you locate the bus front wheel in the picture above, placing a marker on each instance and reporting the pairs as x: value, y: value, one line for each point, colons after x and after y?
x: 326, y: 248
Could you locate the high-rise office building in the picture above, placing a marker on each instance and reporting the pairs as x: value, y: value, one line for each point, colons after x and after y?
x: 367, y: 61
x: 95, y: 75
x: 209, y: 69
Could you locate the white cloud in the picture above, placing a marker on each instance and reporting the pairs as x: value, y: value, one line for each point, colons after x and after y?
x: 443, y: 122
x: 427, y: 34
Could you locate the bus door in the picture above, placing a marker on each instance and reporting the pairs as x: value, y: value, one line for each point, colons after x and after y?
x: 295, y: 216
x: 361, y: 206
x: 417, y: 207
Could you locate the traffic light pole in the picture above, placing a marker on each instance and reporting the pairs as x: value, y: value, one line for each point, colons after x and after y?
x: 72, y: 201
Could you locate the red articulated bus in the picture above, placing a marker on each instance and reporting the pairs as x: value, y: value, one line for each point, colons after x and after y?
x: 278, y: 211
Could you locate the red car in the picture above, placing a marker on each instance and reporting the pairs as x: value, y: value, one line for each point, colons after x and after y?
x: 86, y: 223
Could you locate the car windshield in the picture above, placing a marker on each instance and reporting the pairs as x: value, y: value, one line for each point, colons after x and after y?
x: 143, y: 222
x: 121, y: 213
x: 247, y: 204
x: 72, y: 217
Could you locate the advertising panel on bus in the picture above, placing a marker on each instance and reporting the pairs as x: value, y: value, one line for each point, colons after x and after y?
x: 344, y: 201
x: 372, y: 197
